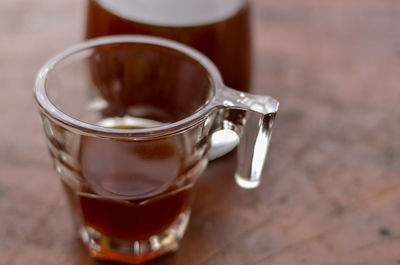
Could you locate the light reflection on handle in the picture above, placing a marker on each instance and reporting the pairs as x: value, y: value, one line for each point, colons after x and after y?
x: 251, y: 117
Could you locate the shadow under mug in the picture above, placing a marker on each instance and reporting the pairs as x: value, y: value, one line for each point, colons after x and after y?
x: 128, y: 122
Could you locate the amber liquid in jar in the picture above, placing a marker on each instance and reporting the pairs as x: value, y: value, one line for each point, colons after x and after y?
x: 219, y: 29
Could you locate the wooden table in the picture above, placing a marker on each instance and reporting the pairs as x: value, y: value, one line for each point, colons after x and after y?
x: 331, y: 188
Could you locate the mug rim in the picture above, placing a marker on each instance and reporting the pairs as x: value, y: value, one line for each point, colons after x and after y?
x: 81, y: 127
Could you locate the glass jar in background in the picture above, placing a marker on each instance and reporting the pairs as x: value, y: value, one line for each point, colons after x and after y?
x: 218, y: 28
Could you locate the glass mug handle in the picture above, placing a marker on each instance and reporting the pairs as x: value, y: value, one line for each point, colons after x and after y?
x: 251, y: 117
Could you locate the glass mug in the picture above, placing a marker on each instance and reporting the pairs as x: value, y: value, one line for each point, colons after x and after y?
x: 129, y: 140
x: 219, y: 29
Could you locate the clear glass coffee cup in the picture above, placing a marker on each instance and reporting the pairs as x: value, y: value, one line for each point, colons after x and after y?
x: 128, y: 122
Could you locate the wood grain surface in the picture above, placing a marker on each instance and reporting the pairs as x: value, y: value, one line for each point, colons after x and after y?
x: 331, y: 188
